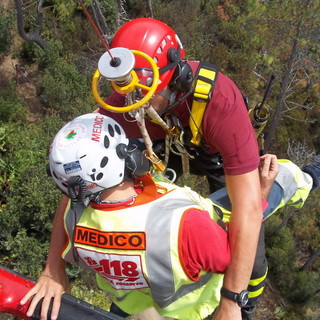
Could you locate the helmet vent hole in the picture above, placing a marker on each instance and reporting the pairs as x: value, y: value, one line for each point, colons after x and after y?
x: 99, y: 176
x: 118, y: 130
x: 111, y: 130
x: 83, y: 156
x: 159, y: 50
x: 106, y: 142
x: 55, y: 175
x: 104, y: 162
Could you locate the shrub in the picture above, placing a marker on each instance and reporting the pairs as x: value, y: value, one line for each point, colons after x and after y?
x: 5, y: 31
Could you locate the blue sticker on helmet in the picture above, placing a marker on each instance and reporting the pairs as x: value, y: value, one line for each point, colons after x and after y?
x: 72, y: 167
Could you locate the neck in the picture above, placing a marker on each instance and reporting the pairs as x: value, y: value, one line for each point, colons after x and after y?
x: 123, y: 191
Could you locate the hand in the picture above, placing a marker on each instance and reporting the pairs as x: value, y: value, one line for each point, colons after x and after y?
x: 268, y: 171
x: 227, y: 310
x: 47, y: 287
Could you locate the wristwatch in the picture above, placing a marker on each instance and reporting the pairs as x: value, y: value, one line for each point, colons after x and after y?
x: 241, y: 298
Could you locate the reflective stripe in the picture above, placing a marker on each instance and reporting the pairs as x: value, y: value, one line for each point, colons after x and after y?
x: 72, y: 217
x: 287, y: 181
x: 256, y: 293
x: 256, y: 282
x: 158, y: 256
x: 256, y: 286
x: 275, y: 200
x: 292, y: 187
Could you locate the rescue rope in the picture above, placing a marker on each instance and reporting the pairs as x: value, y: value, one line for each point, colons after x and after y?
x: 104, y: 43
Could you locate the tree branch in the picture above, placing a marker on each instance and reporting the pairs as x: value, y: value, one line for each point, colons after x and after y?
x: 35, y: 35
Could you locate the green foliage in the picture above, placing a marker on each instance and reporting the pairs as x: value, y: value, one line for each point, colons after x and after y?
x: 5, y: 30
x: 30, y: 52
x: 11, y: 111
x: 85, y: 288
x: 305, y: 225
x: 136, y: 8
x: 219, y: 32
x: 29, y: 198
x: 47, y: 57
x: 196, y: 183
x: 26, y: 218
x: 302, y: 286
x: 63, y: 11
x: 282, y: 252
x: 11, y: 108
x: 296, y: 285
x: 66, y: 89
x: 26, y: 254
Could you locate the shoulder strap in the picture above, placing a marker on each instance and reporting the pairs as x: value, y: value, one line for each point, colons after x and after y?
x: 205, y: 80
x: 72, y: 217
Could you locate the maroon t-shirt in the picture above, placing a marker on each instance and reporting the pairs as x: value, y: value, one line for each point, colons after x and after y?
x: 226, y: 125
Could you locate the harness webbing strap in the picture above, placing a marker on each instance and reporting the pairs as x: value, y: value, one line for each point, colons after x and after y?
x: 204, y: 83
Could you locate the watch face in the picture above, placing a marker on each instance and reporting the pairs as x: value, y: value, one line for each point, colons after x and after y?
x: 243, y: 298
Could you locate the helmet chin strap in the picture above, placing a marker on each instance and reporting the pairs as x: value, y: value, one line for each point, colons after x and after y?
x: 77, y: 192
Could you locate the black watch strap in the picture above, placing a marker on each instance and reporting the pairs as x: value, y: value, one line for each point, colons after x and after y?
x: 241, y: 298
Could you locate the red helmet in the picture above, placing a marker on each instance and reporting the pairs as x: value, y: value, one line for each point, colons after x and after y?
x: 158, y: 41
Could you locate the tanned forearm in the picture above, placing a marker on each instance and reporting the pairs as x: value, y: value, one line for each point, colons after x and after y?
x: 244, y: 228
x: 58, y: 237
x: 53, y: 281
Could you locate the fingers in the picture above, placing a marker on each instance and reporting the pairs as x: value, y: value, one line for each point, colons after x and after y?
x: 55, y: 308
x: 45, y: 307
x: 50, y: 291
x: 268, y: 166
x: 264, y: 165
x: 26, y: 298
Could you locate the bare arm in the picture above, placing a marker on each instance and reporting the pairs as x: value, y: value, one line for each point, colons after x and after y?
x: 245, y: 195
x: 53, y: 281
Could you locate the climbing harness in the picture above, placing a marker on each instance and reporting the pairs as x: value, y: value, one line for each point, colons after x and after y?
x: 205, y: 80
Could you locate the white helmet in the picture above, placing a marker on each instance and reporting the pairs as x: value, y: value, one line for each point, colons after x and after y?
x: 94, y: 147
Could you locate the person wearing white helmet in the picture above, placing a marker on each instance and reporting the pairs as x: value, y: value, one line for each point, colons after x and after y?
x: 141, y: 235
x: 92, y: 144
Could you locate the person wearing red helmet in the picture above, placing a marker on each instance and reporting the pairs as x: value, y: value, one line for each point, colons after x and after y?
x: 226, y: 135
x: 158, y: 41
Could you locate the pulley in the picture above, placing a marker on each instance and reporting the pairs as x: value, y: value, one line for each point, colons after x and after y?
x: 117, y: 66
